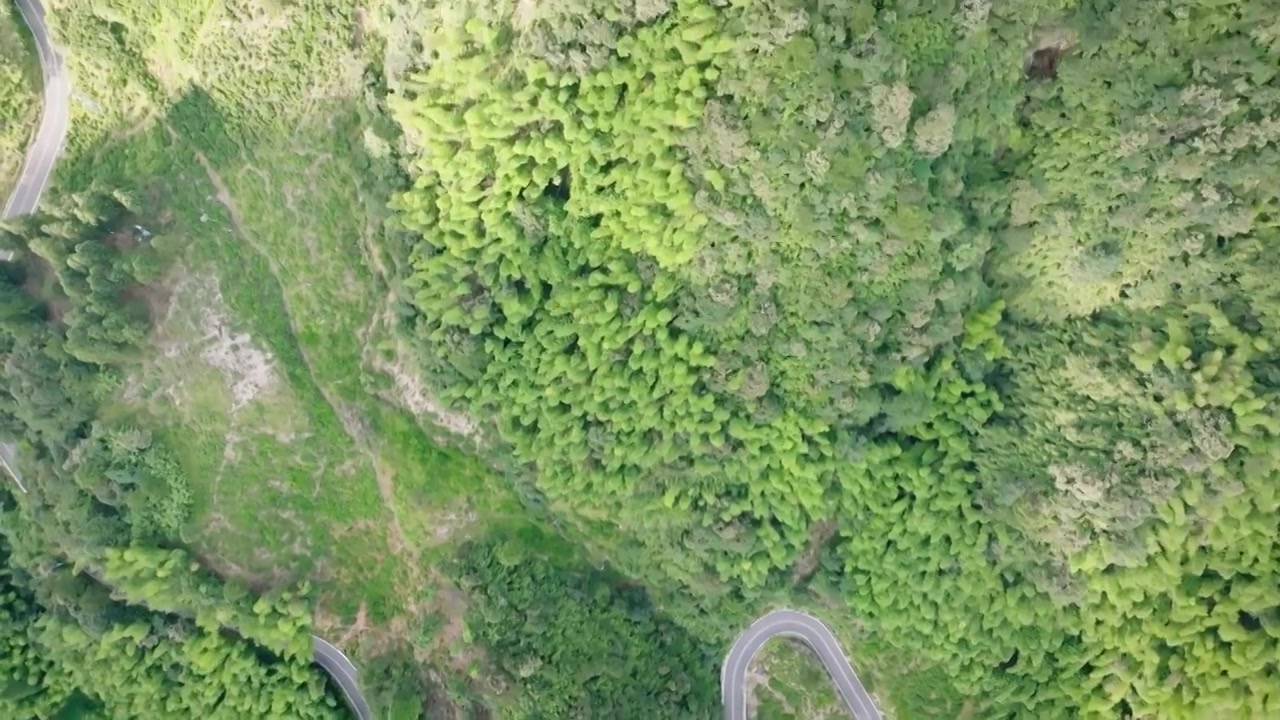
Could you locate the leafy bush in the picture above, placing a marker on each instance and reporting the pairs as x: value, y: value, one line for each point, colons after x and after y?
x: 77, y: 648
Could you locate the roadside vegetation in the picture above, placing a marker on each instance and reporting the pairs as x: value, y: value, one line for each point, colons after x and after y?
x: 528, y: 350
x: 787, y: 682
x: 579, y: 642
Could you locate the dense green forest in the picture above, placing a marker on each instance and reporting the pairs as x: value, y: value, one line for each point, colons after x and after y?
x: 530, y: 349
x: 986, y: 287
x: 102, y: 615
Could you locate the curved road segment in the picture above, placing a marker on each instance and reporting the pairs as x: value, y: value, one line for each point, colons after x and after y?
x: 54, y: 115
x: 343, y: 672
x: 810, y: 631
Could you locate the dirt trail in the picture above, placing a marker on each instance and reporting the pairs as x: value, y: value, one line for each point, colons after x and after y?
x: 411, y: 393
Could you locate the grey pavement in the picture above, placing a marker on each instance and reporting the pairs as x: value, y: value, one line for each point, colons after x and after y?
x: 44, y: 150
x: 9, y: 460
x: 343, y: 671
x: 54, y: 116
x: 810, y: 631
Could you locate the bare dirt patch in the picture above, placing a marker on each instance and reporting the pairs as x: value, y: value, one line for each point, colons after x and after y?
x: 410, y: 392
x: 358, y: 628
x: 419, y: 400
x: 248, y: 372
x: 352, y: 423
x: 819, y: 536
x: 524, y: 14
x: 446, y: 524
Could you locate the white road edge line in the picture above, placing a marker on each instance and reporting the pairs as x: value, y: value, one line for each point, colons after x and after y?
x: 815, y: 634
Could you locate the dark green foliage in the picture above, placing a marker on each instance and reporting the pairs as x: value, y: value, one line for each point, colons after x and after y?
x: 989, y: 285
x: 579, y: 643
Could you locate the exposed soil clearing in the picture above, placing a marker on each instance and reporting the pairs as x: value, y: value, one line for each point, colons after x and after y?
x: 358, y: 628
x: 412, y: 394
x: 756, y: 680
x: 248, y: 372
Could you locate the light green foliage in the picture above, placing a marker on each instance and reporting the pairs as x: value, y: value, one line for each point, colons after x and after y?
x: 558, y: 237
x: 608, y: 266
x: 989, y: 287
x: 75, y: 648
x: 170, y: 581
x: 29, y: 677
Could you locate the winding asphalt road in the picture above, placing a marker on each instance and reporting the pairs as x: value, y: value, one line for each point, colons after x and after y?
x: 54, y: 115
x: 343, y: 672
x: 44, y: 150
x: 810, y: 631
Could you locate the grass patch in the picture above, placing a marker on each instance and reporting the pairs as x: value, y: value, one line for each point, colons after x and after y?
x: 259, y: 373
x: 795, y: 685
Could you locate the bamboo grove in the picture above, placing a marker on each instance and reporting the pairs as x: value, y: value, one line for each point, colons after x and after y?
x: 989, y: 286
